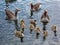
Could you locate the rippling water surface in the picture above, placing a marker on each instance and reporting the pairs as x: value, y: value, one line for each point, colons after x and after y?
x: 7, y: 28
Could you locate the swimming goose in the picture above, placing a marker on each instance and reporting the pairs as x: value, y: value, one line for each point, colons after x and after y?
x: 18, y: 33
x: 54, y: 29
x: 35, y: 7
x: 10, y: 15
x: 45, y: 18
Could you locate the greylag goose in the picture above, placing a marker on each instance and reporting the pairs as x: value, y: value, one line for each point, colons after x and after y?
x: 10, y: 15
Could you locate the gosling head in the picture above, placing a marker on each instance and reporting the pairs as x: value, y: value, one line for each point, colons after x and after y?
x: 53, y: 27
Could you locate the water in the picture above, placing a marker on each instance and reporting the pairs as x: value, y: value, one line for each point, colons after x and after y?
x: 7, y: 28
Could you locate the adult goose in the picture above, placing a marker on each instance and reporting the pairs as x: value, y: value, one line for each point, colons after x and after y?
x: 45, y: 18
x: 10, y: 15
x: 35, y: 7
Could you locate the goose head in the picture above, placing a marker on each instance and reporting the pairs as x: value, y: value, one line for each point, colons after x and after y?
x: 38, y: 28
x: 31, y: 6
x: 16, y: 11
x: 22, y: 21
x: 45, y: 12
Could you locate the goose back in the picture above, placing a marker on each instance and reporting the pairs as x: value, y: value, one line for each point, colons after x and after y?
x: 36, y: 6
x: 9, y: 13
